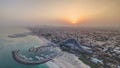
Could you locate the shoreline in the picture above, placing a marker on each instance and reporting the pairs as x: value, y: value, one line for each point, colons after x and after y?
x: 67, y: 60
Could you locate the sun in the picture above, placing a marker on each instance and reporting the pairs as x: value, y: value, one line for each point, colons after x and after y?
x: 74, y: 19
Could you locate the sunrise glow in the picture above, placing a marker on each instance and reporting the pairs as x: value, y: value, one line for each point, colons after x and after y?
x: 91, y: 13
x: 73, y: 19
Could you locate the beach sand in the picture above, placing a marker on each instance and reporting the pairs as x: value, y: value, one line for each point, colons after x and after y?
x: 67, y: 60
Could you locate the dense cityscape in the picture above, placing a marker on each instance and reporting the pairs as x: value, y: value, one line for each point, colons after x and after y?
x: 60, y: 34
x: 104, y: 43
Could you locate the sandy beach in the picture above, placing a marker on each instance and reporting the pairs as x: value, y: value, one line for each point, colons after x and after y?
x: 67, y: 60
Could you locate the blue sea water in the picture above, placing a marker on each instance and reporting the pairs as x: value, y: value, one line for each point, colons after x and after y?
x: 7, y: 45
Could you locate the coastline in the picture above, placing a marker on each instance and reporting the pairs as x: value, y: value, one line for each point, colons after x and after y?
x: 67, y: 60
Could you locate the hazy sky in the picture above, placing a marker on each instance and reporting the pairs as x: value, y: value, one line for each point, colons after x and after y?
x: 60, y: 12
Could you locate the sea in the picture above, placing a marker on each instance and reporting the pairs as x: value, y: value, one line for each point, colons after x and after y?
x: 7, y: 45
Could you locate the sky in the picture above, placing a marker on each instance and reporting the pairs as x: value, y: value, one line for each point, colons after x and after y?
x: 81, y: 13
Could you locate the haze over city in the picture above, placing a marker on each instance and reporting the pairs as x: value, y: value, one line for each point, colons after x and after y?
x: 81, y: 13
x: 60, y: 33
